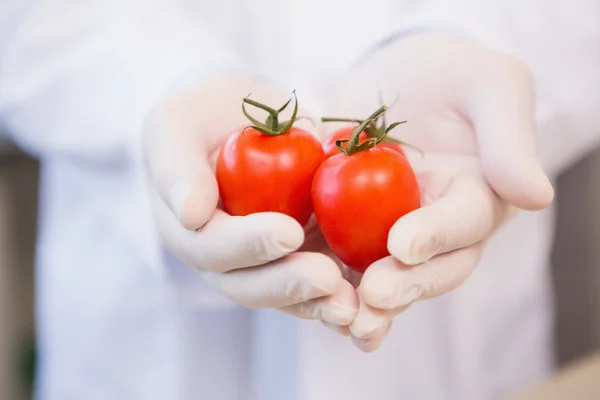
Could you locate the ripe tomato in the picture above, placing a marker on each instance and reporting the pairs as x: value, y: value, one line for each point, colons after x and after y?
x: 344, y: 133
x: 357, y: 198
x: 259, y: 171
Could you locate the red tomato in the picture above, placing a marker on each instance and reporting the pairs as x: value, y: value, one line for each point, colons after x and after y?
x: 260, y: 173
x: 358, y: 197
x: 330, y: 148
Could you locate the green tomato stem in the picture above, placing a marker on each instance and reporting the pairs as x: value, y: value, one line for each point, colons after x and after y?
x: 377, y: 132
x: 272, y: 126
x: 353, y: 145
x: 326, y: 119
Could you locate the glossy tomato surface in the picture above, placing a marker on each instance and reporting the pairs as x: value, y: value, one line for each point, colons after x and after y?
x: 357, y: 199
x: 260, y: 173
x: 346, y: 133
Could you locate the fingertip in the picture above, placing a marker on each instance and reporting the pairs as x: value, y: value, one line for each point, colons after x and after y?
x: 410, y: 240
x: 345, y: 303
x: 523, y: 184
x: 193, y: 207
x: 378, y: 286
x: 368, y: 321
x: 373, y: 342
x: 193, y: 200
x: 284, y: 232
x: 177, y: 198
x: 342, y: 330
x: 338, y: 314
x: 541, y: 192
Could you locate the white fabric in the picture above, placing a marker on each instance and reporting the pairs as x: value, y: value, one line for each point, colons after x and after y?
x: 76, y: 79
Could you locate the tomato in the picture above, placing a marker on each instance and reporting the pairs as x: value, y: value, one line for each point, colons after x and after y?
x: 357, y: 198
x: 259, y: 172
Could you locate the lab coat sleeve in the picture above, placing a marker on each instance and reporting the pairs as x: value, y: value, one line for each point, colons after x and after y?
x: 78, y: 77
x: 560, y: 42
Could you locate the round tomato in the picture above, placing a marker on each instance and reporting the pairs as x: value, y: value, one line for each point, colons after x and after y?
x: 263, y: 170
x: 358, y: 196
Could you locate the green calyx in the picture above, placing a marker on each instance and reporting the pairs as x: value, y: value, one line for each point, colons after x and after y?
x: 353, y: 145
x: 272, y: 126
x: 376, y: 133
x: 373, y: 131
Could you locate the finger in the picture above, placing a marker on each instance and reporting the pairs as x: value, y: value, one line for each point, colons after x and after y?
x: 374, y: 341
x: 371, y: 325
x: 501, y: 105
x: 464, y: 215
x: 388, y: 284
x: 368, y: 319
x: 297, y: 278
x: 342, y: 330
x: 370, y: 322
x: 338, y: 309
x: 227, y: 242
x: 177, y: 161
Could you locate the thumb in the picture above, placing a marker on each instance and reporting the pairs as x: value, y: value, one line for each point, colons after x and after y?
x: 177, y: 165
x: 501, y: 105
x: 182, y: 134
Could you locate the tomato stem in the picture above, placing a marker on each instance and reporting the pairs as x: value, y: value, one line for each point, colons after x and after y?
x: 327, y: 119
x: 272, y: 126
x: 377, y: 132
x: 353, y: 145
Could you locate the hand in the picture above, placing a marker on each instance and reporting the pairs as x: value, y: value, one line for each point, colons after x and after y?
x: 472, y: 111
x: 251, y: 260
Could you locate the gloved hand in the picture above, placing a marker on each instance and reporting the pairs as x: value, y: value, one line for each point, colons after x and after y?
x: 251, y: 260
x: 472, y: 111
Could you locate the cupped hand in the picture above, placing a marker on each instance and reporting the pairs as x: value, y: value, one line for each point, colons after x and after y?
x: 472, y: 111
x: 252, y: 260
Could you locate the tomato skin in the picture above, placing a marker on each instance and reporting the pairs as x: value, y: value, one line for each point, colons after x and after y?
x: 260, y: 173
x: 358, y: 198
x: 392, y: 146
x: 346, y: 133
x: 329, y: 147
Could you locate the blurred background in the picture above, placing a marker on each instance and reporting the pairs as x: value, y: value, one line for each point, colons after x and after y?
x: 576, y: 264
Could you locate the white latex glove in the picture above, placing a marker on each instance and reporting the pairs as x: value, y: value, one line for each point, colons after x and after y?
x: 248, y: 259
x: 472, y: 111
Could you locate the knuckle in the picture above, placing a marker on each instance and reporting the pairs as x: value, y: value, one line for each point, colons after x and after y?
x: 311, y: 280
x: 296, y: 290
x: 424, y: 245
x: 381, y: 300
x: 261, y: 248
x: 315, y: 310
x: 428, y: 286
x: 435, y: 244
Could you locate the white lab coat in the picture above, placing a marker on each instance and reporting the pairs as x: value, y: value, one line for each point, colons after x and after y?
x: 76, y: 78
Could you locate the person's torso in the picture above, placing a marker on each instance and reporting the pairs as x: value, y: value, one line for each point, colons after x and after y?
x: 94, y: 255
